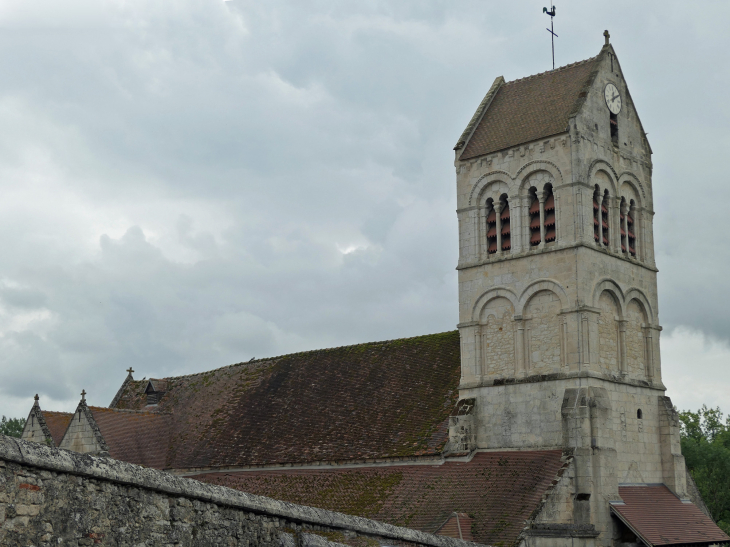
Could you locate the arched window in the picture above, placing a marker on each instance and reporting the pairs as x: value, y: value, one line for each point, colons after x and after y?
x: 550, y: 232
x: 534, y: 213
x: 505, y: 224
x: 491, y: 228
x: 631, y: 228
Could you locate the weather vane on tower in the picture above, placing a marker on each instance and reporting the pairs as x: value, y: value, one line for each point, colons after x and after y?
x: 550, y: 30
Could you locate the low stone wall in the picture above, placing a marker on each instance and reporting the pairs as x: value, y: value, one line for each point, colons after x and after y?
x: 50, y: 496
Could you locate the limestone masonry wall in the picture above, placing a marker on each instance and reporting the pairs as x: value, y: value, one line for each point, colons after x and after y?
x: 50, y: 496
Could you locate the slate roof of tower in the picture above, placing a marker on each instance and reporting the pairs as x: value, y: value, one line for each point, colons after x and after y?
x: 136, y: 437
x: 499, y: 490
x: 367, y: 401
x: 529, y: 109
x: 57, y: 423
x: 659, y: 517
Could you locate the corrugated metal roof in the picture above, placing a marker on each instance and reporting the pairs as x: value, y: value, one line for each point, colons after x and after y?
x: 659, y: 517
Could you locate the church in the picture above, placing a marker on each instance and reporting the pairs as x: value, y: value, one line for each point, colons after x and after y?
x: 541, y: 421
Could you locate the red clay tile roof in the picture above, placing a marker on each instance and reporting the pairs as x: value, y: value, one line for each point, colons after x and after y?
x: 458, y: 526
x: 658, y: 517
x: 530, y: 108
x: 499, y: 490
x: 57, y: 423
x: 375, y: 400
x: 136, y: 437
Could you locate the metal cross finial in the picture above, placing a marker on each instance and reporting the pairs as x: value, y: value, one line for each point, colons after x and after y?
x: 83, y: 394
x: 606, y: 35
x: 551, y: 13
x: 130, y: 370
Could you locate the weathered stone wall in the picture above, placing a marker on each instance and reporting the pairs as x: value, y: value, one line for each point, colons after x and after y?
x: 50, y: 496
x: 82, y: 434
x: 527, y: 415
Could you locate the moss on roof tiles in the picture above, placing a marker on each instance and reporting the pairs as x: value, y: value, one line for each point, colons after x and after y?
x: 373, y: 400
x: 498, y: 490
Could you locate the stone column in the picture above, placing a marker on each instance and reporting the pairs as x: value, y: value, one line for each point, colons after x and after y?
x: 519, y: 347
x: 478, y: 358
x: 541, y: 199
x: 656, y: 362
x: 585, y: 342
x: 498, y: 213
x: 623, y: 365
x: 649, y: 357
x: 599, y: 199
x: 625, y: 225
x: 616, y: 223
x: 525, y: 220
x: 516, y: 223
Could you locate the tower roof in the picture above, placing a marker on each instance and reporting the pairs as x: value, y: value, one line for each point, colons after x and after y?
x: 527, y: 109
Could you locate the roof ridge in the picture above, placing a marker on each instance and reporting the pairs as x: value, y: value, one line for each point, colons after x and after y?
x: 128, y: 410
x: 305, y: 352
x: 57, y: 412
x: 564, y: 67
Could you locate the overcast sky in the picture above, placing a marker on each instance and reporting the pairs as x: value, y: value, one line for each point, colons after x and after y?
x: 189, y: 184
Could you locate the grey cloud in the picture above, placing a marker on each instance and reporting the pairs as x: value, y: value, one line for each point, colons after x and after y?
x: 186, y: 188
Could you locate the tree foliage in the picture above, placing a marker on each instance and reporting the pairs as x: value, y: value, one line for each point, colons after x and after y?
x: 706, y: 449
x: 12, y: 427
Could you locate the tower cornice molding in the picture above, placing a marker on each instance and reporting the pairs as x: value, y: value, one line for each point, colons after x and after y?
x: 539, y: 251
x: 560, y: 376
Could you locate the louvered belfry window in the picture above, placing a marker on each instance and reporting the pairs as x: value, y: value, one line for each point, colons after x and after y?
x: 632, y: 232
x: 596, y: 218
x: 604, y: 220
x: 550, y: 233
x: 492, y: 231
x: 623, y: 234
x: 504, y: 220
x: 535, y: 222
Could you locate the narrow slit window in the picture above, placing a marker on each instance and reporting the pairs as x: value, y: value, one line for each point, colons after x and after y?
x: 639, y: 414
x: 596, y: 218
x: 491, y: 230
x: 550, y: 232
x: 632, y: 230
x: 534, y: 222
x: 504, y: 221
x: 613, y: 122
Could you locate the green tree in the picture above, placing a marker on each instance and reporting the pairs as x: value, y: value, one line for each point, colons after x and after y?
x: 12, y: 427
x: 706, y: 449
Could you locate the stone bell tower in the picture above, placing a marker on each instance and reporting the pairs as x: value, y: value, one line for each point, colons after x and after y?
x: 558, y: 310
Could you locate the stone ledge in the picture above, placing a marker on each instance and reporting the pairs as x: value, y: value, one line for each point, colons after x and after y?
x: 553, y: 249
x: 562, y: 531
x: 108, y: 469
x: 556, y: 376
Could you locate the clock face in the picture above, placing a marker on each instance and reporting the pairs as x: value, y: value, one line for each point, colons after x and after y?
x: 613, y: 99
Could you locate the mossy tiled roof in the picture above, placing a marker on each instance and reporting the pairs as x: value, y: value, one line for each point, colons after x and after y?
x: 498, y: 490
x: 57, y: 423
x: 367, y: 401
x: 530, y: 108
